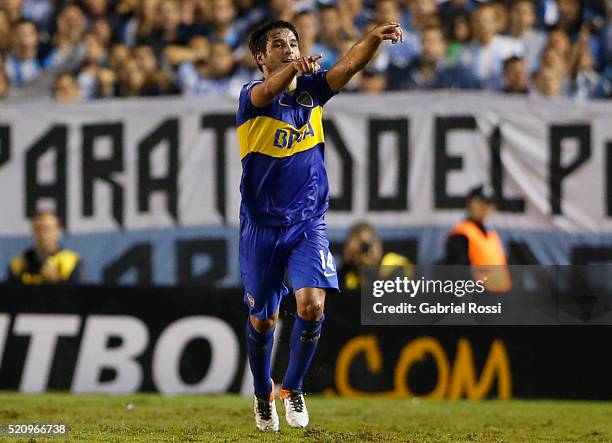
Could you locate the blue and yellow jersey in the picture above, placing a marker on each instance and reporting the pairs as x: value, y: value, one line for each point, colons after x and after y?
x: 281, y: 148
x: 27, y: 268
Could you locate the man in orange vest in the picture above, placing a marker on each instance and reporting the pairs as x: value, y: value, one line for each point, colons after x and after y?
x: 471, y: 243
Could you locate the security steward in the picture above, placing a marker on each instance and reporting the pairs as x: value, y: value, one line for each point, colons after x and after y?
x: 471, y: 243
x: 46, y: 262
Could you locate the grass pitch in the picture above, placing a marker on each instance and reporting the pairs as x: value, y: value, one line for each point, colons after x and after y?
x: 153, y: 418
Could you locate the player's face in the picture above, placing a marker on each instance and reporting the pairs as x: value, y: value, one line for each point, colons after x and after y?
x: 281, y: 49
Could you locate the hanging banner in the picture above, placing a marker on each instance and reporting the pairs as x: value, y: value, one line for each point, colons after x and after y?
x: 154, y: 182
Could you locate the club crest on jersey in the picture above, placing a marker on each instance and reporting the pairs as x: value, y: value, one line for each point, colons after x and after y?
x: 305, y: 99
x: 251, y: 300
x: 287, y: 138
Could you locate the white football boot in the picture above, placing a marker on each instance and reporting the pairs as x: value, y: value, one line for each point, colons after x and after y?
x: 296, y: 413
x: 266, y: 417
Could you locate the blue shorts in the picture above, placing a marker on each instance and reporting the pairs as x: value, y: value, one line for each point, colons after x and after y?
x: 266, y: 252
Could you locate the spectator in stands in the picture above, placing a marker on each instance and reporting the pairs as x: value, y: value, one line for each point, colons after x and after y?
x: 570, y: 16
x: 105, y: 83
x: 402, y: 53
x: 146, y: 60
x: 130, y: 79
x: 119, y: 54
x: 502, y: 17
x: 101, y: 26
x: 605, y: 43
x: 420, y: 14
x: 547, y: 82
x: 12, y: 9
x: 157, y: 82
x: 280, y: 10
x: 4, y: 83
x: 486, y: 54
x: 22, y: 65
x: 522, y: 28
x: 200, y: 48
x: 5, y: 33
x: 460, y: 34
x: 560, y: 42
x: 177, y: 29
x: 167, y: 30
x: 571, y: 20
x: 449, y: 10
x: 71, y: 24
x: 202, y: 16
x: 250, y: 13
x: 354, y: 83
x: 46, y: 262
x: 551, y: 58
x: 586, y: 82
x: 66, y: 89
x: 223, y: 28
x: 330, y: 33
x: 372, y: 81
x: 95, y: 58
x: 197, y: 53
x: 363, y: 250
x: 96, y: 8
x: 516, y: 77
x: 353, y: 16
x: 141, y: 23
x: 431, y: 70
x: 306, y: 24
x: 224, y: 76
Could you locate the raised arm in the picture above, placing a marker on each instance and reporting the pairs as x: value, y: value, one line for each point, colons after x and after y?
x: 361, y: 53
x: 264, y: 93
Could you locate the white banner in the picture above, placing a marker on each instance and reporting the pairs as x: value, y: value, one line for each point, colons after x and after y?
x: 400, y: 161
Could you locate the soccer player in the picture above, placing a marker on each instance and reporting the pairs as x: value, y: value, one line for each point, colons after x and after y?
x: 285, y: 196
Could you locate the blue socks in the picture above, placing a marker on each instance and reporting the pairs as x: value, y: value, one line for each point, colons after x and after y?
x: 304, y: 339
x: 259, y: 348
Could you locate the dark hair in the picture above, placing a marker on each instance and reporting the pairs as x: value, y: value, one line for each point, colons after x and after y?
x: 259, y: 38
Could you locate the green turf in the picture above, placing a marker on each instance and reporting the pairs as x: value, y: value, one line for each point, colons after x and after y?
x: 228, y: 418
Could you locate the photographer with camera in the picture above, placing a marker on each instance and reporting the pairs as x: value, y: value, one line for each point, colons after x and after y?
x: 363, y: 249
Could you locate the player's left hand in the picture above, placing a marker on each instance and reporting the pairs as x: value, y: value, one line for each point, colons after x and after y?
x: 391, y: 31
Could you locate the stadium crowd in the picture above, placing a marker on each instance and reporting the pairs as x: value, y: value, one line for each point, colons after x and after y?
x: 91, y: 49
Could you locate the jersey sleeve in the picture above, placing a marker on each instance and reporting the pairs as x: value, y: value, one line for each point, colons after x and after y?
x: 320, y: 87
x: 246, y: 109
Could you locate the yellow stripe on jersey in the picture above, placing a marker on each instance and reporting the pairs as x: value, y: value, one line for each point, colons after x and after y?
x: 277, y: 138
